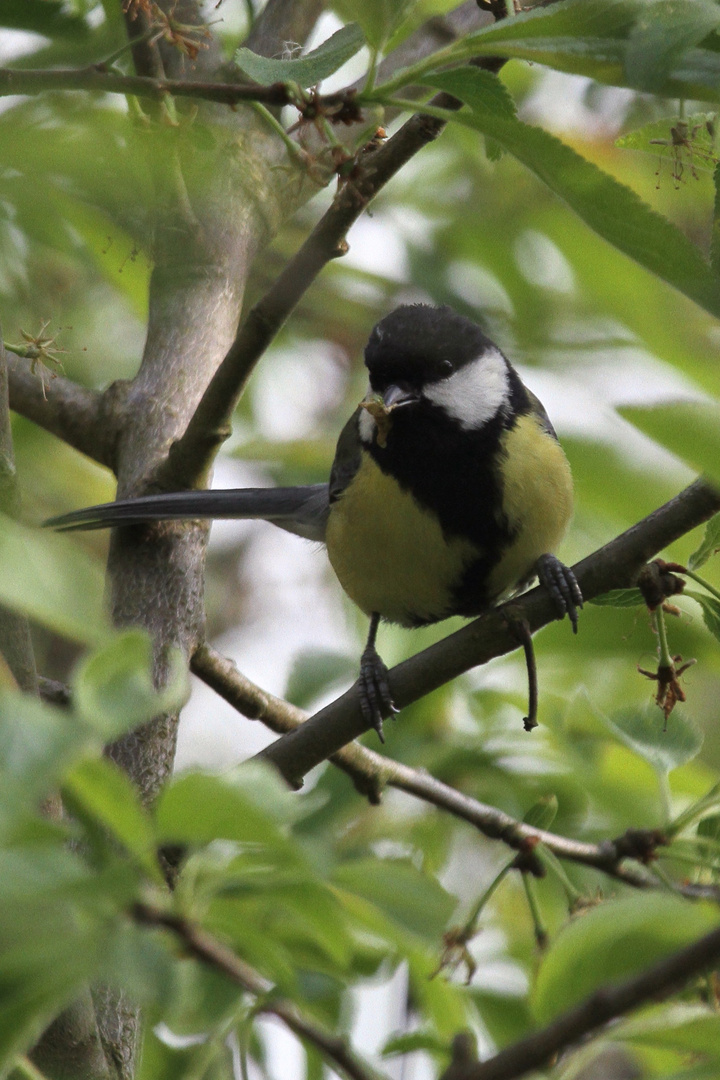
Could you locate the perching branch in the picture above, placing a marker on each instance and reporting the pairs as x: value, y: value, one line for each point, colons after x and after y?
x: 206, y: 948
x: 613, y: 566
x: 605, y: 1004
x: 371, y: 772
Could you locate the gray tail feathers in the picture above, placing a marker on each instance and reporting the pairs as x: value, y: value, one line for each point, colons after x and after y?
x: 300, y: 510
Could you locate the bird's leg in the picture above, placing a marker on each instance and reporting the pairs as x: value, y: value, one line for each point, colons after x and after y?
x: 375, y: 697
x: 562, y: 585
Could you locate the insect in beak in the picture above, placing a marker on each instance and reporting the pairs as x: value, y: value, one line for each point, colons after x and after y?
x: 380, y: 408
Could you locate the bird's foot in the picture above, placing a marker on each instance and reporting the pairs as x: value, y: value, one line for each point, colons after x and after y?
x: 562, y: 585
x: 375, y: 698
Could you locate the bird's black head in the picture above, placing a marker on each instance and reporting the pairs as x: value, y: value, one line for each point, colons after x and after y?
x: 417, y: 344
x: 435, y: 363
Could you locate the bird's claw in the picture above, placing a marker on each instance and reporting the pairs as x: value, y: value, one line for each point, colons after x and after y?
x: 562, y: 585
x: 375, y: 698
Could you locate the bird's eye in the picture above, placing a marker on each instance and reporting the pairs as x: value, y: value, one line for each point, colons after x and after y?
x: 446, y: 367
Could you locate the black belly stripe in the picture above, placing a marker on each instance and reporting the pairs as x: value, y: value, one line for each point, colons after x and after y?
x: 456, y: 475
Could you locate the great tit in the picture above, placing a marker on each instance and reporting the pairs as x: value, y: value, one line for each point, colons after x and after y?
x: 448, y: 493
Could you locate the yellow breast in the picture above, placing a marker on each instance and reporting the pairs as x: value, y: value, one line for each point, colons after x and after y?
x: 390, y: 554
x: 537, y: 501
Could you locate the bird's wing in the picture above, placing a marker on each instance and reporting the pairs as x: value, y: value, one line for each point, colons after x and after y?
x: 299, y: 510
x: 347, y: 457
x: 538, y: 409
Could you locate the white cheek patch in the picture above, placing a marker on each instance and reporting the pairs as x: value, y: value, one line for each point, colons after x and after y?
x: 475, y: 393
x: 367, y: 427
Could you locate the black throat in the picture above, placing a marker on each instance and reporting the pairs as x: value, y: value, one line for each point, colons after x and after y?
x: 456, y: 474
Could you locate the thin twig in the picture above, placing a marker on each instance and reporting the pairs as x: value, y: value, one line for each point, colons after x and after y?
x: 613, y: 566
x: 97, y: 78
x: 605, y: 1004
x: 208, y: 949
x: 188, y: 459
x: 54, y: 692
x: 371, y: 772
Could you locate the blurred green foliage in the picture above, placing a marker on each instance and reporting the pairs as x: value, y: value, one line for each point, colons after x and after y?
x: 321, y: 893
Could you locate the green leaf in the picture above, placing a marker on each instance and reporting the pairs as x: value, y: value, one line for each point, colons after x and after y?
x: 414, y: 900
x: 117, y: 255
x: 691, y: 1028
x: 662, y: 32
x: 709, y: 829
x: 613, y: 942
x: 38, y: 742
x: 641, y: 730
x: 113, y: 688
x: 607, y: 206
x: 199, y: 808
x: 305, y: 70
x: 621, y: 42
x: 49, y: 17
x: 141, y: 962
x: 199, y: 997
x: 542, y: 814
x: 51, y: 579
x: 690, y: 429
x: 316, y: 670
x: 710, y: 826
x: 710, y: 544
x: 710, y: 610
x: 102, y: 791
x: 583, y: 36
x: 620, y: 598
x: 51, y: 943
x: 415, y: 1040
x: 378, y: 18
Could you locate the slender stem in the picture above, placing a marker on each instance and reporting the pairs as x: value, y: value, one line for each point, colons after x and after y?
x: 541, y: 934
x: 664, y: 655
x: 693, y: 860
x: 23, y: 1067
x: 550, y: 859
x: 418, y: 106
x: 410, y: 76
x: 470, y: 928
x: 295, y: 151
x: 108, y: 61
x: 696, y: 811
x: 665, y: 796
x: 372, y: 72
x: 695, y: 577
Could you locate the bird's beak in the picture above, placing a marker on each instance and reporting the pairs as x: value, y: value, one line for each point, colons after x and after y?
x: 395, y: 396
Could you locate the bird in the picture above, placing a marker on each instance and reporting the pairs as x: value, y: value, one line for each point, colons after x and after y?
x: 448, y: 494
